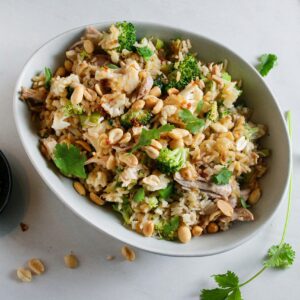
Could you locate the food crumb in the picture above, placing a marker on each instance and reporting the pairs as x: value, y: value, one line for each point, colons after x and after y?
x: 24, y: 227
x: 24, y: 275
x: 110, y: 257
x: 71, y: 261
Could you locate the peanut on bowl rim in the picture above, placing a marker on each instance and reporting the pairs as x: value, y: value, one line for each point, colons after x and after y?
x: 266, y: 110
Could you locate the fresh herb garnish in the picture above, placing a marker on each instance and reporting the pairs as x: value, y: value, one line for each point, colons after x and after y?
x: 48, y: 77
x: 139, y: 195
x: 112, y: 66
x: 159, y: 44
x: 145, y: 52
x: 279, y: 256
x: 148, y: 135
x: 70, y: 109
x: 244, y: 203
x: 192, y: 123
x: 222, y: 177
x: 199, y: 106
x: 69, y: 160
x: 267, y: 62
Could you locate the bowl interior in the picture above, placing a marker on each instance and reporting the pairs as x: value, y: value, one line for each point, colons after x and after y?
x: 256, y: 94
x: 5, y: 181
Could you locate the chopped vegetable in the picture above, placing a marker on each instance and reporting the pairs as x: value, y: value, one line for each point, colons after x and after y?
x: 168, y: 230
x: 148, y: 135
x: 112, y: 66
x: 171, y: 161
x: 70, y: 109
x: 83, y: 54
x: 135, y: 118
x: 92, y: 118
x: 139, y: 195
x: 124, y: 209
x: 222, y: 177
x: 226, y: 76
x: 192, y: 123
x: 48, y: 77
x: 145, y: 52
x: 264, y: 152
x: 166, y: 192
x: 127, y: 36
x: 69, y: 160
x: 152, y: 202
x: 159, y: 44
x: 189, y: 71
x: 267, y: 62
x: 213, y: 114
x: 199, y: 106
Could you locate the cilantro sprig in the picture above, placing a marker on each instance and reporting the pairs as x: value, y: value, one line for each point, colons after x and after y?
x: 48, y: 77
x: 222, y: 177
x: 279, y: 256
x: 267, y: 62
x: 192, y: 123
x: 148, y: 135
x: 69, y: 160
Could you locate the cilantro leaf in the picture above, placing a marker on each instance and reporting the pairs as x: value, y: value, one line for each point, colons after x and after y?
x: 235, y: 295
x: 228, y: 280
x: 214, y: 294
x: 280, y: 256
x: 145, y: 52
x: 222, y: 177
x: 267, y: 62
x: 112, y: 66
x: 148, y: 135
x: 69, y: 160
x: 139, y: 195
x: 166, y: 192
x: 48, y: 77
x: 244, y: 203
x: 199, y: 106
x: 192, y: 123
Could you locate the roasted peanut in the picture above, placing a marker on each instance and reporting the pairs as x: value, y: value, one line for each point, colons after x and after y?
x: 148, y: 228
x: 77, y: 94
x: 155, y: 91
x: 24, y: 275
x: 79, y: 188
x: 178, y: 143
x: 225, y: 208
x: 158, y: 107
x: 96, y: 199
x: 128, y: 253
x: 115, y: 135
x: 88, y: 46
x: 254, y: 196
x: 71, y: 261
x: 212, y: 227
x: 138, y: 105
x: 36, y: 266
x: 197, y: 230
x: 151, y: 152
x: 178, y: 133
x: 184, y: 234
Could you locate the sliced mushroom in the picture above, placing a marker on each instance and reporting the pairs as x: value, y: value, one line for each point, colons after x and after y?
x: 145, y: 87
x: 213, y: 190
x: 242, y: 214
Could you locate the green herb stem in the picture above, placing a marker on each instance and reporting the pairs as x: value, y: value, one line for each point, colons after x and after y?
x: 254, y: 276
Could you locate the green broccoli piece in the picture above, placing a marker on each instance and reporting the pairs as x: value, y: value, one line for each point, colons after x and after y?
x: 124, y: 209
x: 170, y: 161
x: 127, y: 36
x: 213, y: 114
x: 189, y: 71
x: 135, y: 118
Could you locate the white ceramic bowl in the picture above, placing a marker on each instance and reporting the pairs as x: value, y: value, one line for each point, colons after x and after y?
x: 258, y: 96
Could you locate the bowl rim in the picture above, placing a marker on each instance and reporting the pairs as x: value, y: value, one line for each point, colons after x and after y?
x: 120, y: 238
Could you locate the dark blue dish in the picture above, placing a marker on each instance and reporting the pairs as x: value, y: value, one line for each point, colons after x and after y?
x: 5, y: 181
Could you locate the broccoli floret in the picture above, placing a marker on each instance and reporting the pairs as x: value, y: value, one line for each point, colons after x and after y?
x: 170, y: 161
x: 213, y: 114
x: 135, y: 118
x: 127, y: 35
x: 188, y: 69
x: 124, y: 209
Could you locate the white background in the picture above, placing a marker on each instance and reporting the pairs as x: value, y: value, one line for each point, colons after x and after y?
x: 249, y: 27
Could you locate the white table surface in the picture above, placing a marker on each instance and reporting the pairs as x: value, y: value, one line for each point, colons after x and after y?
x: 250, y: 28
